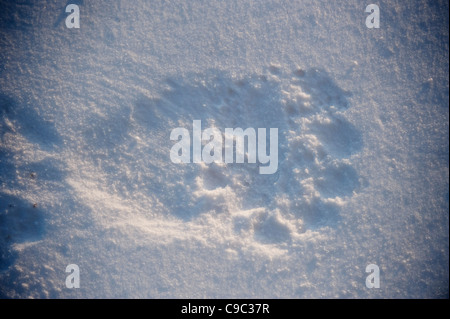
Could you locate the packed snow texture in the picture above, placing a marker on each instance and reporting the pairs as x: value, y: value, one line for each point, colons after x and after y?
x: 86, y: 177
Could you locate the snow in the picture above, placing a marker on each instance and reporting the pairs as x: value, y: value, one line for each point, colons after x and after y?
x: 363, y: 165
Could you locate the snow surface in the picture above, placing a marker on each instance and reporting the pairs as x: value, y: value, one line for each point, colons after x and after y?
x: 85, y: 120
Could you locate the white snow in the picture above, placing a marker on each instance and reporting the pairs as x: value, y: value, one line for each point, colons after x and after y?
x: 85, y: 122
